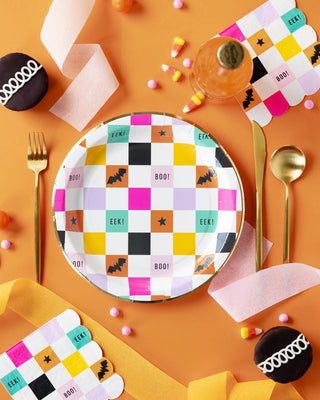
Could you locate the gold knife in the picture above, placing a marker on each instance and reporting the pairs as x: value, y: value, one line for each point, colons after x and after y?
x: 259, y: 146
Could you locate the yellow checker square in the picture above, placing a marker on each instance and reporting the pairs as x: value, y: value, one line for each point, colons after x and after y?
x: 96, y: 155
x: 184, y: 154
x: 288, y: 47
x: 75, y: 364
x: 184, y: 243
x: 94, y: 242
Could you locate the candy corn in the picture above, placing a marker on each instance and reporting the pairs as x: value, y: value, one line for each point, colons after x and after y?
x: 175, y: 73
x: 178, y: 43
x: 247, y: 333
x: 194, y: 102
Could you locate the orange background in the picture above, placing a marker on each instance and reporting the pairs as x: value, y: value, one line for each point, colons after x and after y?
x: 191, y: 337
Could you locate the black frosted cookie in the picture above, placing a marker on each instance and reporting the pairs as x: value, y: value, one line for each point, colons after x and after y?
x: 23, y: 81
x: 283, y: 354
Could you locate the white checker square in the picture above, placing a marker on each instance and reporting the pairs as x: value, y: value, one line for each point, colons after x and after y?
x: 271, y: 59
x: 116, y: 198
x: 145, y: 298
x: 161, y: 119
x: 227, y: 178
x: 277, y: 30
x: 161, y: 243
x: 161, y: 286
x: 68, y: 320
x: 199, y: 279
x: 96, y: 264
x: 6, y: 365
x: 161, y: 198
x: 86, y: 381
x: 97, y: 137
x: 206, y: 156
x: 125, y: 120
x: 206, y: 243
x: 206, y: 199
x: 260, y: 114
x: 183, y: 134
x: 30, y: 370
x: 184, y: 176
x: 117, y: 154
x: 283, y: 6
x: 227, y: 221
x: 35, y: 342
x: 220, y: 260
x: 250, y: 49
x: 299, y: 64
x: 139, y: 221
x: 58, y: 375
x: 184, y: 221
x: 60, y: 181
x: 118, y: 286
x: 94, y: 220
x: 63, y: 348
x: 73, y: 242
x: 183, y: 265
x: 139, y: 265
x: 94, y: 176
x: 140, y: 134
x: 114, y: 385
x: 77, y: 157
x: 91, y: 352
x: 117, y: 243
x: 162, y: 153
x: 56, y: 396
x: 60, y: 220
x: 139, y: 176
x: 239, y: 201
x: 249, y: 25
x: 305, y: 36
x: 74, y: 199
x: 265, y: 87
x: 293, y: 93
x: 25, y: 393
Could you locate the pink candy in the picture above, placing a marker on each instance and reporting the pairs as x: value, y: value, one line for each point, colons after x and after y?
x: 309, y: 104
x: 126, y: 331
x: 187, y: 62
x: 283, y: 318
x: 178, y: 4
x: 114, y: 312
x: 152, y: 84
x: 5, y: 244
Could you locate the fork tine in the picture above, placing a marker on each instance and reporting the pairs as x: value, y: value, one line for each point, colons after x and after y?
x: 39, y: 147
x: 34, y: 150
x: 29, y: 148
x: 44, y: 147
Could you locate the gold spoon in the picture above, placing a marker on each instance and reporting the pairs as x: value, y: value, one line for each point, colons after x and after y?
x: 287, y: 164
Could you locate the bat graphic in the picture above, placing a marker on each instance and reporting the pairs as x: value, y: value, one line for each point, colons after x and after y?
x: 204, y: 265
x: 103, y: 370
x: 117, y: 177
x: 316, y: 54
x: 207, y: 177
x: 248, y: 99
x: 117, y: 266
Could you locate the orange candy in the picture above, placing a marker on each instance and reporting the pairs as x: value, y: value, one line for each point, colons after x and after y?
x: 122, y: 5
x: 4, y: 220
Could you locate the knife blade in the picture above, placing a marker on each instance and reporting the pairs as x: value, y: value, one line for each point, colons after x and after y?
x: 259, y: 147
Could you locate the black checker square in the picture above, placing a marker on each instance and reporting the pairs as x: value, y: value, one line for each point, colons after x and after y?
x: 140, y: 153
x: 41, y: 387
x: 225, y: 242
x: 221, y: 159
x: 62, y: 235
x: 259, y: 70
x: 139, y: 243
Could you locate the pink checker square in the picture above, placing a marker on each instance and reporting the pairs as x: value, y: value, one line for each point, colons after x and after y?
x: 227, y: 199
x: 161, y: 266
x: 139, y: 286
x: 139, y: 198
x: 234, y: 32
x: 141, y: 119
x: 70, y: 390
x: 59, y: 200
x: 282, y: 76
x: 276, y: 104
x: 266, y: 14
x: 162, y: 175
x: 19, y: 354
x: 74, y: 177
x: 79, y: 262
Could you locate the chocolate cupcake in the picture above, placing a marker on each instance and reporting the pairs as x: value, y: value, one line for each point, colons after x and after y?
x: 23, y: 81
x: 283, y: 354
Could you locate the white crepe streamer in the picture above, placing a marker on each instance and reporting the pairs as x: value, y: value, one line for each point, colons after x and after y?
x: 18, y: 81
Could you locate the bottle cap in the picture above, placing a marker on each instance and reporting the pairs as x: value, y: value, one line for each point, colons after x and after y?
x: 230, y: 54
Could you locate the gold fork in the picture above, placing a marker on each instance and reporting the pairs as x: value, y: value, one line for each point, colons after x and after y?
x: 37, y: 162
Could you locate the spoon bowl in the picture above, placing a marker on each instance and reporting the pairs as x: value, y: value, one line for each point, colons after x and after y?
x: 287, y: 164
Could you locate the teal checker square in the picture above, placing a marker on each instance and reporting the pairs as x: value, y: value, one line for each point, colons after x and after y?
x: 294, y: 19
x: 206, y: 220
x: 118, y: 133
x: 117, y: 220
x: 79, y: 336
x: 13, y: 382
x: 202, y: 139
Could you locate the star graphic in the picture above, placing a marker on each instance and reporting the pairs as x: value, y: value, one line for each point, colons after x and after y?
x: 73, y: 220
x: 47, y: 359
x: 260, y: 42
x: 162, y: 133
x: 162, y: 221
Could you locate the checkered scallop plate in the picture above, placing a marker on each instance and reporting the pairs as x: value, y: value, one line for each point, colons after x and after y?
x: 147, y: 207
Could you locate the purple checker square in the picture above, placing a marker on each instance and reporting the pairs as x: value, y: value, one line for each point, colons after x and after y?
x: 99, y: 280
x: 310, y: 82
x: 141, y: 119
x: 266, y: 14
x: 139, y: 198
x: 19, y: 354
x: 139, y: 286
x: 276, y: 104
x: 52, y: 331
x: 184, y: 198
x: 94, y: 198
x: 74, y: 177
x: 97, y: 393
x: 59, y: 200
x: 177, y: 121
x: 166, y: 263
x: 65, y: 389
x: 234, y: 32
x: 162, y: 175
x: 181, y: 285
x: 227, y: 199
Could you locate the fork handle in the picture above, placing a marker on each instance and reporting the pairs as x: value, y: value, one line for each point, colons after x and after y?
x: 37, y: 235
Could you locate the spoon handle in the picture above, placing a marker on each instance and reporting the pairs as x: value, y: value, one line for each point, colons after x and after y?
x: 286, y: 228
